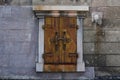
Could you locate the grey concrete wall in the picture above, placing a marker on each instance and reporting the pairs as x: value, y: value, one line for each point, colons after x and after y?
x: 18, y: 39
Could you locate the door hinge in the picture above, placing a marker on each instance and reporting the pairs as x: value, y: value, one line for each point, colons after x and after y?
x: 74, y: 26
x: 77, y: 27
x: 43, y: 26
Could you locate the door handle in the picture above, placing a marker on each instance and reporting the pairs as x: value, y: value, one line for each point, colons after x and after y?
x: 55, y: 41
x: 65, y: 40
x: 57, y: 38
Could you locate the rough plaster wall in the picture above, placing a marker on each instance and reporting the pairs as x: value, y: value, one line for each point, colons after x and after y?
x: 18, y: 38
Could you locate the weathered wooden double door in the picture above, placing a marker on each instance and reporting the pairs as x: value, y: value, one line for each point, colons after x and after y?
x: 60, y: 44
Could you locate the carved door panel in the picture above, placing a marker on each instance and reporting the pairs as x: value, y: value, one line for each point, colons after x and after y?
x: 60, y: 54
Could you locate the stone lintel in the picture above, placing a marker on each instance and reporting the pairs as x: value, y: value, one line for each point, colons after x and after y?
x: 60, y: 8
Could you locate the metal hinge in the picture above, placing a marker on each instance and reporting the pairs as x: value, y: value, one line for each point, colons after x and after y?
x: 43, y: 26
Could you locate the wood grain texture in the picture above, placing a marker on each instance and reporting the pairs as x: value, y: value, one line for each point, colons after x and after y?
x: 64, y: 58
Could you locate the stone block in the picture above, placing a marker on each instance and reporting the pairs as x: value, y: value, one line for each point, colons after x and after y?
x: 2, y: 36
x: 80, y: 66
x: 87, y: 25
x: 61, y: 2
x: 5, y: 11
x: 49, y: 76
x: 21, y: 2
x: 99, y: 60
x: 109, y: 36
x: 17, y: 18
x: 113, y: 60
x: 102, y: 71
x: 111, y: 24
x: 44, y: 2
x: 17, y: 35
x: 112, y: 12
x: 4, y: 71
x: 88, y: 74
x: 18, y: 48
x: 39, y: 67
x: 2, y: 47
x: 24, y: 12
x: 22, y: 61
x: 37, y: 2
x: 7, y: 23
x: 88, y: 36
x: 107, y: 71
x: 112, y: 36
x: 20, y: 73
x: 102, y: 48
x: 96, y: 60
x: 110, y: 20
x: 89, y: 60
x: 108, y: 11
x: 25, y: 2
x: 1, y: 12
x: 99, y: 3
x: 113, y: 2
x: 15, y: 2
x: 18, y: 24
x: 4, y: 60
x: 88, y: 48
x: 109, y: 48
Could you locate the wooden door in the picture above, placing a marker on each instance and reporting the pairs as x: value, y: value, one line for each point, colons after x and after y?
x: 60, y: 54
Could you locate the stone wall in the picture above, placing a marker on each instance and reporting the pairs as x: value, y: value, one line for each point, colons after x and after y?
x: 102, y: 44
x: 19, y: 31
x: 16, y: 2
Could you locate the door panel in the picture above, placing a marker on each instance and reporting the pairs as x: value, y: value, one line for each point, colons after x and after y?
x: 71, y: 33
x: 60, y: 54
x: 50, y: 28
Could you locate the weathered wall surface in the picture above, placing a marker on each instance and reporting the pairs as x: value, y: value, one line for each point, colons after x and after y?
x: 18, y: 35
x: 102, y: 44
x: 16, y: 2
x: 19, y: 29
x: 19, y: 47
